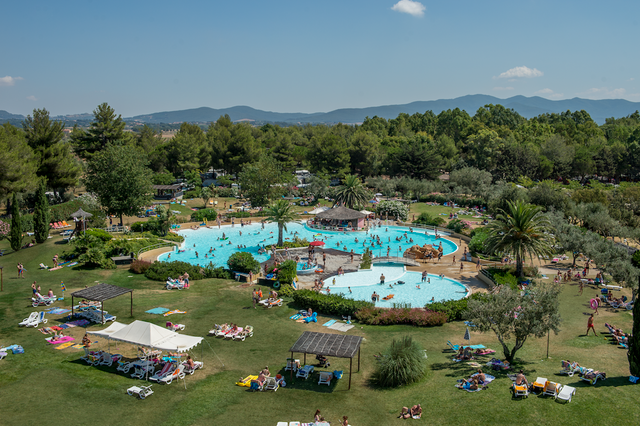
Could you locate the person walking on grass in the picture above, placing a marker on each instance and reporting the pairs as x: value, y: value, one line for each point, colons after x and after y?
x: 590, y: 325
x: 581, y: 287
x: 254, y: 296
x: 20, y: 270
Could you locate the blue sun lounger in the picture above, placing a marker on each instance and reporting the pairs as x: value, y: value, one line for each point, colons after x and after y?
x: 456, y: 348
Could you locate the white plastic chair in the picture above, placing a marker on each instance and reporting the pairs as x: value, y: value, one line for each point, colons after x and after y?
x: 32, y: 321
x: 566, y: 393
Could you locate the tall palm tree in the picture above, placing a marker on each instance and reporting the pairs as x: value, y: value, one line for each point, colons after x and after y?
x: 352, y: 193
x: 522, y: 230
x: 281, y: 213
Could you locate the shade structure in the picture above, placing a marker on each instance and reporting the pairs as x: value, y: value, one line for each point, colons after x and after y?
x: 319, y: 210
x: 116, y: 326
x: 100, y: 293
x: 142, y: 333
x: 81, y: 213
x: 367, y: 212
x: 316, y: 243
x: 341, y: 213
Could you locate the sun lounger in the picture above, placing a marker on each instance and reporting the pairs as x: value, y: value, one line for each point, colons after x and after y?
x: 566, y: 393
x: 246, y: 332
x: 233, y: 333
x: 196, y: 365
x: 456, y: 348
x: 520, y: 391
x: 551, y: 389
x: 305, y: 371
x: 108, y: 359
x: 592, y: 377
x: 32, y: 321
x: 292, y: 364
x: 569, y: 368
x: 325, y: 378
x: 168, y: 368
x: 142, y: 371
x: 38, y: 300
x: 539, y: 384
x: 142, y: 391
x: 177, y: 374
x: 271, y: 383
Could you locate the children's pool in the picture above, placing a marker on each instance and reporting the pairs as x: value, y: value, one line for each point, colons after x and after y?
x: 210, y: 246
x: 361, y: 285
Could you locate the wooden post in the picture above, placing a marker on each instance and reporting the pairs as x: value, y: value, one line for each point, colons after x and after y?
x: 358, y: 360
x: 292, y: 368
x: 131, y: 303
x: 1, y: 279
x: 72, y: 315
x: 350, y: 364
x: 305, y: 358
x: 102, y: 311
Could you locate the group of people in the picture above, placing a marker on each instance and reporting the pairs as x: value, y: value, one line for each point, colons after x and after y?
x: 473, y: 382
x: 319, y: 419
x: 414, y: 412
x: 37, y: 291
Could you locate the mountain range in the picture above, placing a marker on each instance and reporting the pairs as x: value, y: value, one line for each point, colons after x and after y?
x: 528, y: 107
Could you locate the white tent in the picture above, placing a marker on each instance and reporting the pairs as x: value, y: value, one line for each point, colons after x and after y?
x: 367, y: 212
x: 109, y: 330
x: 319, y: 210
x: 149, y: 335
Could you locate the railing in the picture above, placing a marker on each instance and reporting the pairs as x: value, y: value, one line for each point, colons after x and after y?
x: 394, y: 259
x: 486, y: 274
x: 156, y: 246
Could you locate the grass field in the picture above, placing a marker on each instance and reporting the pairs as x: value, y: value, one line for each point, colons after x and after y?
x: 55, y: 387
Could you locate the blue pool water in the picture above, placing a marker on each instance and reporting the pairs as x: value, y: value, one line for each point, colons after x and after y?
x: 364, y: 283
x: 254, y: 237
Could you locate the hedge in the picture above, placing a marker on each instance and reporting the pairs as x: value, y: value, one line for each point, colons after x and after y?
x: 453, y: 309
x: 160, y: 271
x: 328, y: 304
x: 200, y: 215
x: 412, y: 316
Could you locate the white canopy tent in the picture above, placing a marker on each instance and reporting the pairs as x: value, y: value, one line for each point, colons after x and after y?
x: 149, y: 335
x: 319, y: 210
x: 367, y: 212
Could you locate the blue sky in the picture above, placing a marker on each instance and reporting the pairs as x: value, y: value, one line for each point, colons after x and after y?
x: 302, y: 56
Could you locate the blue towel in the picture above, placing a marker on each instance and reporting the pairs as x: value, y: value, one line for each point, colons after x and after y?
x: 328, y: 323
x: 157, y: 311
x: 295, y: 317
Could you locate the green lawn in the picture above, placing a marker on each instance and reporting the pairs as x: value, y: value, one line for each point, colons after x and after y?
x: 52, y: 386
x: 417, y: 208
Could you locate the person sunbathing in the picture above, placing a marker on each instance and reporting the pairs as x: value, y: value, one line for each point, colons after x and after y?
x: 266, y: 372
x: 593, y: 374
x: 404, y: 413
x: 416, y: 411
x: 190, y: 364
x: 261, y: 379
x: 480, y: 376
x: 86, y: 342
x: 521, y: 379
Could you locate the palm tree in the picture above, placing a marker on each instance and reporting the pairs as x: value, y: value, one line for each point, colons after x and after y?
x: 281, y: 213
x: 352, y: 193
x: 523, y: 230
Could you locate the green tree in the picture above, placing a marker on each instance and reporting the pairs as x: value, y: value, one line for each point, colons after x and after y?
x: 243, y: 262
x: 187, y: 150
x: 17, y: 163
x: 512, y: 316
x: 120, y: 179
x: 281, y: 213
x: 318, y: 186
x: 164, y: 218
x: 521, y: 230
x: 262, y: 181
x: 55, y: 160
x: 352, y: 193
x: 15, y: 237
x: 365, y: 153
x: 329, y: 155
x: 471, y: 179
x: 206, y: 193
x: 104, y: 129
x: 41, y: 215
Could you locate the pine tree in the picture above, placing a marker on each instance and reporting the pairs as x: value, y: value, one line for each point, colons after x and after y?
x: 16, y: 225
x: 41, y: 215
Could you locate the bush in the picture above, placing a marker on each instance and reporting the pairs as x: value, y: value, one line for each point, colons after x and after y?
x: 477, y: 245
x: 100, y: 234
x: 296, y: 242
x: 393, y: 209
x: 401, y: 363
x: 328, y: 304
x: 149, y: 226
x: 139, y: 266
x: 457, y: 225
x: 243, y: 262
x: 95, y: 257
x: 27, y: 223
x: 201, y: 215
x: 366, y: 259
x: 160, y: 271
x: 453, y: 309
x: 412, y: 316
x: 191, y: 194
x: 286, y: 290
x: 504, y: 277
x: 427, y: 219
x: 227, y: 192
x: 287, y: 271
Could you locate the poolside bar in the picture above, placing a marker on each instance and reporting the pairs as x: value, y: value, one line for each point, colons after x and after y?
x: 339, y: 219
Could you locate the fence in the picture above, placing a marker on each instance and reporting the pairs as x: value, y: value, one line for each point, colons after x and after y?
x: 156, y: 246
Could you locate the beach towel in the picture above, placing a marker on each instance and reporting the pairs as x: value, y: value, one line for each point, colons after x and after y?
x: 72, y: 264
x: 474, y: 364
x: 78, y: 323
x: 56, y: 328
x: 329, y: 323
x: 64, y: 326
x: 340, y: 326
x: 295, y: 317
x: 62, y: 340
x: 58, y: 311
x: 157, y: 311
x: 175, y: 311
x: 78, y: 346
x: 485, y: 352
x: 64, y: 345
x: 300, y: 320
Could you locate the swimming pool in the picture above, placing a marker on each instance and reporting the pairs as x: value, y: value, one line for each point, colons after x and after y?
x: 209, y: 245
x: 364, y: 283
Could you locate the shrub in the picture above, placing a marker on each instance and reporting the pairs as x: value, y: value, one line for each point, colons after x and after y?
x: 329, y: 304
x: 243, y: 262
x: 296, y: 242
x: 393, y: 209
x: 100, y: 234
x: 453, y: 309
x: 200, y: 215
x: 160, y: 271
x: 4, y: 230
x: 477, y: 245
x: 149, y: 226
x: 412, y: 316
x: 27, y: 223
x: 401, y: 363
x: 366, y: 259
x: 95, y: 257
x: 427, y: 219
x: 457, y: 225
x: 460, y: 201
x: 286, y: 290
x: 192, y: 194
x: 502, y: 276
x: 227, y: 192
x: 139, y: 266
x: 287, y: 271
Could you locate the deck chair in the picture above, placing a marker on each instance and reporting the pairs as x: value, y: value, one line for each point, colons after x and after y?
x: 41, y: 319
x: 271, y: 384
x: 247, y: 332
x: 566, y: 393
x: 142, y: 371
x: 167, y: 369
x: 32, y: 321
x: 177, y: 374
x: 539, y: 384
x: 292, y: 364
x: 520, y: 391
x: 569, y: 368
x: 325, y: 378
x: 552, y: 389
x: 197, y: 364
x: 108, y: 359
x: 43, y: 266
x: 305, y: 371
x: 592, y: 377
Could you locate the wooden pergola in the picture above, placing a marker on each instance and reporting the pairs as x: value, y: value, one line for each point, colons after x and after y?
x: 100, y: 293
x: 327, y: 344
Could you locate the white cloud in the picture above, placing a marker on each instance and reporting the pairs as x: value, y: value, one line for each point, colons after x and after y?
x: 411, y: 7
x: 548, y: 93
x: 503, y: 88
x: 9, y: 81
x: 521, y: 72
x: 32, y: 98
x: 603, y: 93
